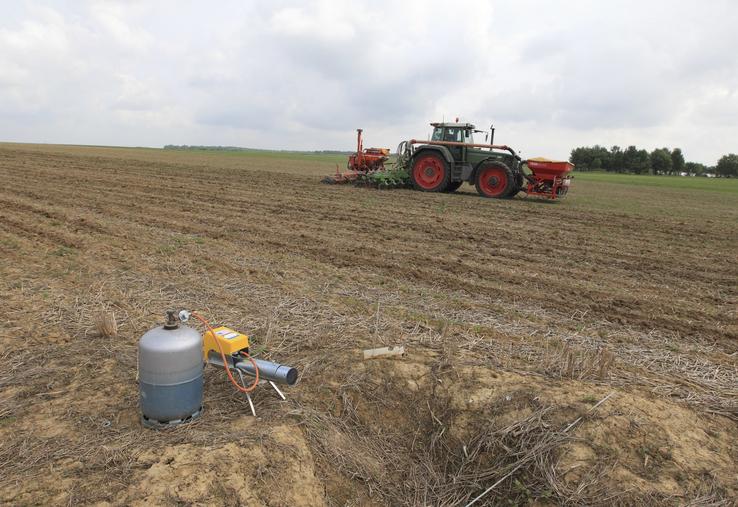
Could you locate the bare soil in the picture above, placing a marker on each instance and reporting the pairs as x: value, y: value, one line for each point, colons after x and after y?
x: 518, y: 316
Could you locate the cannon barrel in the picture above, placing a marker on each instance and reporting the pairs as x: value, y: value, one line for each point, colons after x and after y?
x: 278, y: 373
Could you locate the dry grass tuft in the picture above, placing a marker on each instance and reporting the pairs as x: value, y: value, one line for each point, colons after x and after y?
x: 106, y: 325
x: 572, y: 362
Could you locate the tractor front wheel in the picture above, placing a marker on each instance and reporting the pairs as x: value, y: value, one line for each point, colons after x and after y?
x: 494, y: 180
x: 430, y: 173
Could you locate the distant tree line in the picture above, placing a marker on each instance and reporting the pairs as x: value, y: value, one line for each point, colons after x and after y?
x: 237, y: 148
x: 209, y: 148
x: 585, y: 158
x: 659, y: 161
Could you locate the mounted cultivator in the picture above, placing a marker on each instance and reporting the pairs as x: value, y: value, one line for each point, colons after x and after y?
x: 450, y: 158
x: 361, y: 164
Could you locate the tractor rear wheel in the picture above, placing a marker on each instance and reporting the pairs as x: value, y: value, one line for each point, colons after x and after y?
x: 453, y: 186
x: 494, y: 180
x: 430, y: 172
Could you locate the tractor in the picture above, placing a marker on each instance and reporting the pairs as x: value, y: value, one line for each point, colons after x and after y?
x: 451, y: 157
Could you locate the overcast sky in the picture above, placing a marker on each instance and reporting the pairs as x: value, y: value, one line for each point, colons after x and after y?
x: 303, y: 75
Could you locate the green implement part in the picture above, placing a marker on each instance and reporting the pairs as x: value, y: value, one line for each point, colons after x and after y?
x: 389, y: 178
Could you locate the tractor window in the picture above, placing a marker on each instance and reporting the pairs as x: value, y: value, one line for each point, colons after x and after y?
x: 468, y: 137
x: 437, y: 134
x: 454, y: 134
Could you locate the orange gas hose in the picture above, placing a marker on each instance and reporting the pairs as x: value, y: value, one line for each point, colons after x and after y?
x: 225, y: 362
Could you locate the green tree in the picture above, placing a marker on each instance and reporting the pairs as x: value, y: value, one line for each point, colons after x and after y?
x: 661, y: 161
x: 642, y: 162
x: 677, y: 161
x: 727, y: 166
x: 603, y: 154
x: 695, y: 168
x: 590, y: 158
x: 630, y: 157
x: 581, y: 159
x: 615, y: 160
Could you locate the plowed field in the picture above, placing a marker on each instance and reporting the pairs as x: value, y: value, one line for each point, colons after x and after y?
x: 517, y: 317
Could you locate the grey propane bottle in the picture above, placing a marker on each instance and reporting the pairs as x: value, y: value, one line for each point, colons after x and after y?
x: 170, y: 374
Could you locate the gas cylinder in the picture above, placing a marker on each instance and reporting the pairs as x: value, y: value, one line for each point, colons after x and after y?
x: 170, y: 374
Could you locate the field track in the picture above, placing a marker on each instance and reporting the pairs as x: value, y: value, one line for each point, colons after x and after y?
x: 512, y: 312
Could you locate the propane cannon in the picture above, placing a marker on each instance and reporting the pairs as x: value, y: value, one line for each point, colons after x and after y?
x: 171, y: 359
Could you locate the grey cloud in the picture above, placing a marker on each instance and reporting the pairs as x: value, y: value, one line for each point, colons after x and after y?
x: 558, y: 76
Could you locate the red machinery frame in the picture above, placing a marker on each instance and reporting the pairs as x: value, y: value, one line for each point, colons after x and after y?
x: 361, y: 162
x: 371, y: 159
x: 549, y: 179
